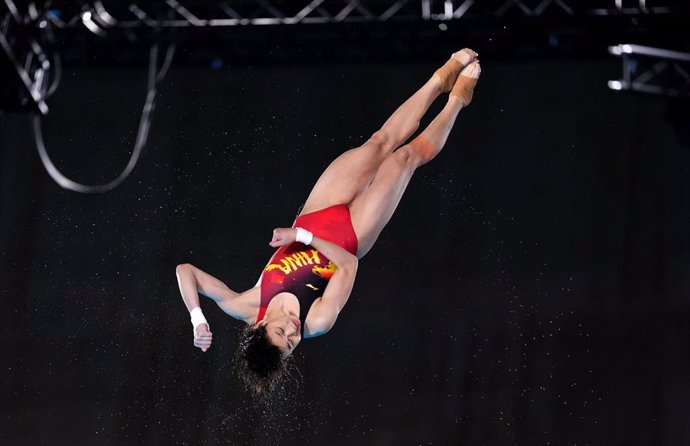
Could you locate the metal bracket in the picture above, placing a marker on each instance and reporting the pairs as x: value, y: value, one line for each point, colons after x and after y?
x: 28, y: 59
x: 652, y: 70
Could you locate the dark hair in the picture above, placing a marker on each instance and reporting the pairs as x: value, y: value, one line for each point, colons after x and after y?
x: 258, y: 362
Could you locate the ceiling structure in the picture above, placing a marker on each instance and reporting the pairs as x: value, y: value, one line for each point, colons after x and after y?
x: 248, y: 30
x: 37, y: 39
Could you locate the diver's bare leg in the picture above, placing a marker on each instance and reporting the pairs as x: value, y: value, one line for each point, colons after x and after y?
x: 372, y: 209
x: 350, y: 173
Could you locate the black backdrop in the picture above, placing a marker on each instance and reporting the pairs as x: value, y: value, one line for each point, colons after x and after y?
x: 532, y: 287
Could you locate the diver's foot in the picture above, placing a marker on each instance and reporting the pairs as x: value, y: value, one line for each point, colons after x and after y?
x: 465, y: 83
x: 448, y: 73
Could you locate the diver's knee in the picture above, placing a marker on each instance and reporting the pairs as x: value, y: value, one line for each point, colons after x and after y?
x: 407, y: 157
x: 381, y: 140
x: 423, y: 148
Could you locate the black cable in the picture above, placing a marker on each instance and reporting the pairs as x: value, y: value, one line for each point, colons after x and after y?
x: 154, y: 78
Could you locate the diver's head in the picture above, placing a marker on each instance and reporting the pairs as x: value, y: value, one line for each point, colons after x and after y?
x: 283, y: 331
x: 264, y: 351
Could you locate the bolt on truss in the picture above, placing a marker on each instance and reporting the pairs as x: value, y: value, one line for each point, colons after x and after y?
x: 652, y: 70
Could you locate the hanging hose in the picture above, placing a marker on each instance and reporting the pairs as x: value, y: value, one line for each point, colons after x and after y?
x: 154, y: 79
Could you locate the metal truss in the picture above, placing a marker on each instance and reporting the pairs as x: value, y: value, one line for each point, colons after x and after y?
x: 27, y: 58
x: 27, y: 29
x: 652, y: 70
x: 101, y: 15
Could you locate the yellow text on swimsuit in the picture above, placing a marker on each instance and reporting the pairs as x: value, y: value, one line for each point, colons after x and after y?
x: 296, y: 260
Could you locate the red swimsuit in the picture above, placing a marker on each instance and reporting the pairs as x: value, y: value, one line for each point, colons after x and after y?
x: 302, y: 270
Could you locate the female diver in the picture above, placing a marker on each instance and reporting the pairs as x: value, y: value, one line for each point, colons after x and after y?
x: 310, y: 276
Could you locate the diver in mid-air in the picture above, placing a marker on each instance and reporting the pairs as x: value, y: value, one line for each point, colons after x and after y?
x: 308, y: 280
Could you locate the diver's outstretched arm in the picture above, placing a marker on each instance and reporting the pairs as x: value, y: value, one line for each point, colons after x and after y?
x: 193, y: 281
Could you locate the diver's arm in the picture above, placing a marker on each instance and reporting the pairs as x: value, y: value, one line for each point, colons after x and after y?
x: 193, y: 281
x: 325, y: 310
x: 188, y: 289
x: 339, y: 256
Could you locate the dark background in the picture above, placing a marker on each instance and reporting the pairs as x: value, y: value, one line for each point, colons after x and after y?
x: 532, y: 287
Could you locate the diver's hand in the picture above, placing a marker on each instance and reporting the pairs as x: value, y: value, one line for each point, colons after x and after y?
x: 283, y: 236
x: 202, y: 337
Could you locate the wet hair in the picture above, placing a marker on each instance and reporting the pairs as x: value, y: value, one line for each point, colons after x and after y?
x: 258, y: 362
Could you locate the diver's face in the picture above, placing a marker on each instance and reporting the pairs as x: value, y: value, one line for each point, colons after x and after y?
x: 284, y: 332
